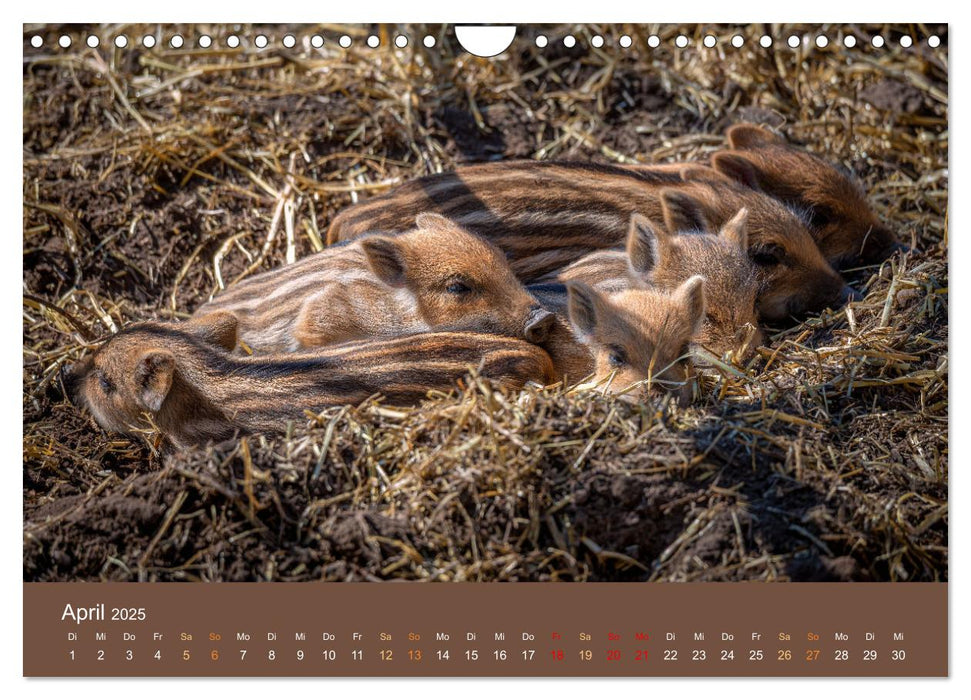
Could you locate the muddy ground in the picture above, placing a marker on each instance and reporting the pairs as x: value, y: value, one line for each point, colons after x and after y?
x: 825, y: 459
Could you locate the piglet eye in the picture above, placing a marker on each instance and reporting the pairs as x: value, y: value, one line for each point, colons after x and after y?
x: 458, y: 287
x: 617, y: 357
x: 767, y: 256
x: 820, y: 216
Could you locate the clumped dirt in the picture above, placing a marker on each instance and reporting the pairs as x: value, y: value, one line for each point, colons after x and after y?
x: 825, y: 459
x: 894, y: 96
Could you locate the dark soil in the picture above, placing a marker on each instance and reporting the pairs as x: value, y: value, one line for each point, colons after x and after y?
x: 894, y: 96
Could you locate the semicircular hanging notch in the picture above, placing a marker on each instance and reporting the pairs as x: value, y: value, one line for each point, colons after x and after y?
x: 485, y: 41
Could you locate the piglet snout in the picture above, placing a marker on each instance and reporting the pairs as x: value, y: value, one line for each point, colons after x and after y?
x: 538, y: 324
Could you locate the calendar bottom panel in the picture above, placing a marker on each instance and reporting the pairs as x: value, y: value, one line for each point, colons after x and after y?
x: 509, y: 629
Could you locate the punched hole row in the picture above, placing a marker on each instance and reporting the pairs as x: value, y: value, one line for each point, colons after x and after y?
x: 233, y: 41
x: 261, y: 41
x: 738, y: 41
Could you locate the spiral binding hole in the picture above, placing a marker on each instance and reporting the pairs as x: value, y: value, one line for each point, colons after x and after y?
x: 401, y: 41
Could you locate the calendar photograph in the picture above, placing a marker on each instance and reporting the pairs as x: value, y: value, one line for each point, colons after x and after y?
x: 351, y: 303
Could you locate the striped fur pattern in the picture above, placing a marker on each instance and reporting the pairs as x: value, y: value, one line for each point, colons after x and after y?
x: 543, y: 215
x: 436, y: 276
x: 841, y: 219
x: 182, y: 379
x: 654, y: 258
x: 546, y: 215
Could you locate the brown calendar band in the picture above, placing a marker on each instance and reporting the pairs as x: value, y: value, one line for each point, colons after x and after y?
x: 492, y: 629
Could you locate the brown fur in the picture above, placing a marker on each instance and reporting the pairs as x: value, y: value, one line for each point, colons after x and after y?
x: 181, y: 378
x: 793, y: 276
x: 639, y: 336
x: 546, y: 215
x: 654, y: 257
x: 434, y: 277
x: 842, y: 222
x: 572, y: 360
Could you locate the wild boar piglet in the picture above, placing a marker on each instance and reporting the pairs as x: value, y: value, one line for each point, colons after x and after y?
x: 731, y: 278
x: 181, y: 379
x: 653, y: 257
x: 794, y: 279
x: 843, y: 223
x: 545, y: 216
x: 639, y: 336
x: 437, y: 276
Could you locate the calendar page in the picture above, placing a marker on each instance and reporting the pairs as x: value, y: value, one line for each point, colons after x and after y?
x: 629, y: 342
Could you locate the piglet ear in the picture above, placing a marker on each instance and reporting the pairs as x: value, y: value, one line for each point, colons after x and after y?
x: 738, y: 167
x: 683, y: 213
x: 585, y: 306
x: 218, y: 328
x: 744, y: 136
x: 694, y: 171
x: 691, y: 295
x: 643, y: 246
x: 736, y: 230
x: 386, y: 259
x: 153, y: 378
